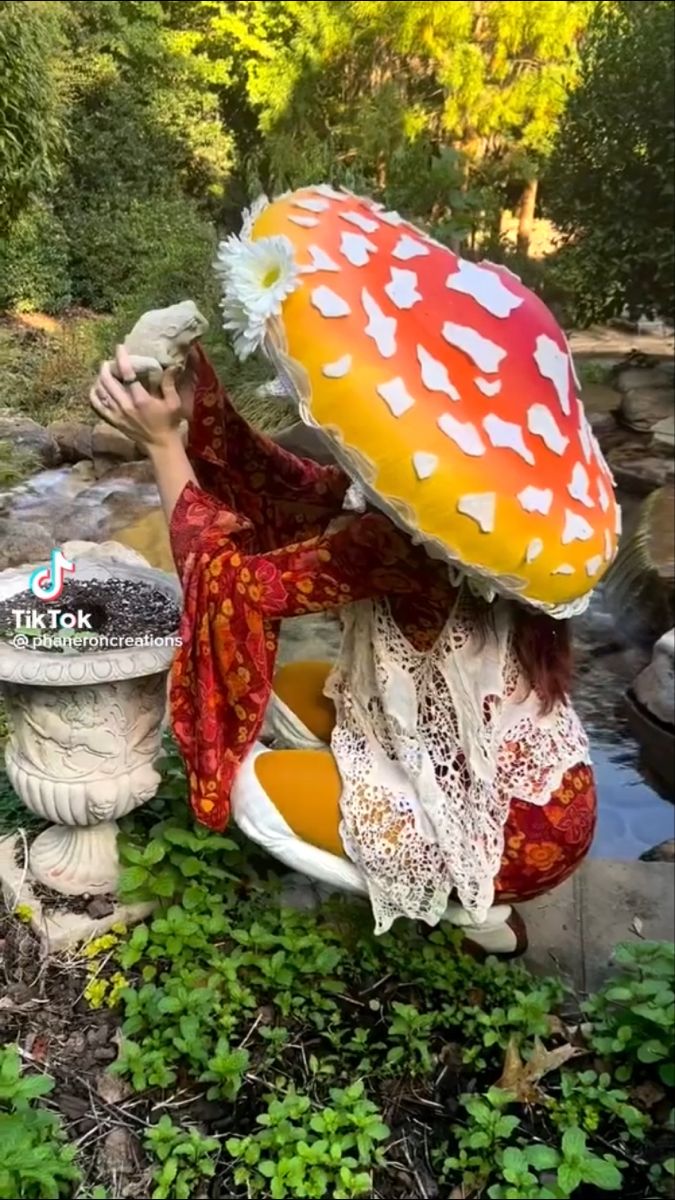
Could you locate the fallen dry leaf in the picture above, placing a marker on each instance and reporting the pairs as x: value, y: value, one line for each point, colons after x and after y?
x: 647, y: 1094
x: 637, y: 926
x: 522, y: 1078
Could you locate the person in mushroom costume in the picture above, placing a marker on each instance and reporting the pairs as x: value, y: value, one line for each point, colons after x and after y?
x: 438, y: 767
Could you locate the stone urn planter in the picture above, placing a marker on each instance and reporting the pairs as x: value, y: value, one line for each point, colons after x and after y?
x: 86, y: 724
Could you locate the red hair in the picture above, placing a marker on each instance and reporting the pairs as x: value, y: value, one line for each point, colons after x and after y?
x: 543, y: 647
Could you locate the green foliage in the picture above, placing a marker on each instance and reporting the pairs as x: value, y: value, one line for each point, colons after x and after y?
x: 16, y: 464
x: 634, y: 1014
x: 31, y: 125
x: 589, y: 1101
x: 185, y: 1158
x: 366, y: 93
x: 34, y: 262
x: 303, y: 1150
x: 120, y: 246
x: 35, y: 1162
x: 523, y: 1170
x: 610, y: 184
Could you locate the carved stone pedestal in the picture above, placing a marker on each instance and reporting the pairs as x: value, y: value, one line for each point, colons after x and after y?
x: 85, y: 732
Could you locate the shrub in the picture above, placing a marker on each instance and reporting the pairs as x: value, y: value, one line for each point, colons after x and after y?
x: 34, y: 271
x: 123, y: 248
x: 610, y: 181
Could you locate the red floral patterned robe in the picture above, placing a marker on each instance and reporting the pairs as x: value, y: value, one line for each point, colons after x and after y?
x: 251, y: 547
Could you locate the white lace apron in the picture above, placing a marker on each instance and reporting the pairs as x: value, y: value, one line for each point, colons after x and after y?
x: 432, y: 746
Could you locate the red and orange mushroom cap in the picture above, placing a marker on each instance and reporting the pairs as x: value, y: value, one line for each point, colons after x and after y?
x: 445, y: 387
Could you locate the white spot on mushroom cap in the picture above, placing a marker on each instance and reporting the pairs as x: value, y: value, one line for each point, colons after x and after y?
x: 381, y: 328
x: 402, y: 288
x: 489, y: 387
x: 305, y: 222
x: 320, y: 261
x: 390, y: 218
x: 575, y: 374
x: 329, y: 303
x: 579, y: 485
x: 315, y: 206
x: 425, y: 464
x: 577, y: 529
x: 324, y: 189
x: 536, y: 500
x: 542, y: 423
x: 618, y: 520
x: 485, y: 354
x: 563, y: 569
x: 554, y: 364
x: 593, y: 565
x: 463, y: 433
x: 365, y: 224
x: 609, y: 546
x: 480, y: 507
x: 483, y: 286
x: 435, y: 374
x: 396, y: 396
x: 505, y: 435
x: 356, y: 248
x: 585, y: 435
x: 408, y: 247
x: 534, y: 550
x: 602, y: 495
x: 338, y: 369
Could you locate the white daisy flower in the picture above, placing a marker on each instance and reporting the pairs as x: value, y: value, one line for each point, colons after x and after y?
x: 256, y: 279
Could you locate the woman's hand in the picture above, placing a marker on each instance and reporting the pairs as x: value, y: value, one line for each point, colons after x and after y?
x: 152, y: 421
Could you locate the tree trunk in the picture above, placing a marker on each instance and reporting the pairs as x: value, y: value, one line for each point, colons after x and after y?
x: 528, y: 201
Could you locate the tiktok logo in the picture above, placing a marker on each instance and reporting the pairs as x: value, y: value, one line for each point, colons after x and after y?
x: 47, y: 582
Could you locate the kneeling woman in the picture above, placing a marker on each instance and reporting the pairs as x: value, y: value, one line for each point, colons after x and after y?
x: 439, y: 768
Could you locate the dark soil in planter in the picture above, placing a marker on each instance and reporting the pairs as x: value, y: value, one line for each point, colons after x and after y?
x: 114, y: 608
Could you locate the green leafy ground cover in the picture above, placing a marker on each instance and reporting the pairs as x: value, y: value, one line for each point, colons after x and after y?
x: 259, y: 1051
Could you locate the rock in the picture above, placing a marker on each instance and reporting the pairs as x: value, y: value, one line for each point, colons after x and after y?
x: 140, y: 471
x: 83, y: 470
x: 22, y: 433
x: 652, y: 375
x: 73, y: 439
x: 641, y: 468
x: 100, y: 906
x: 120, y: 1153
x: 23, y: 542
x: 664, y: 852
x: 112, y: 1089
x: 644, y: 407
x: 105, y: 440
x: 664, y: 431
x: 603, y: 424
x: 654, y: 687
x: 103, y: 465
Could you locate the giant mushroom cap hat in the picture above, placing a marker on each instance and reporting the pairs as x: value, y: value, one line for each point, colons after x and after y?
x: 445, y: 387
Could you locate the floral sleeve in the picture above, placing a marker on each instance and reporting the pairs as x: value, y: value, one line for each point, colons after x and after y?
x: 234, y: 600
x: 286, y: 498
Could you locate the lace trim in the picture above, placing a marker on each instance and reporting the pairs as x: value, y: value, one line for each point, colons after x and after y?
x: 432, y: 747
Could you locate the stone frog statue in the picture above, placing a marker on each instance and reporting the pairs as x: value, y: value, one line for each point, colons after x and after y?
x: 162, y: 338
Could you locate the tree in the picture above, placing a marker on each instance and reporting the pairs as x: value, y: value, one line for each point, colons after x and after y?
x: 610, y: 185
x: 31, y: 127
x: 365, y: 92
